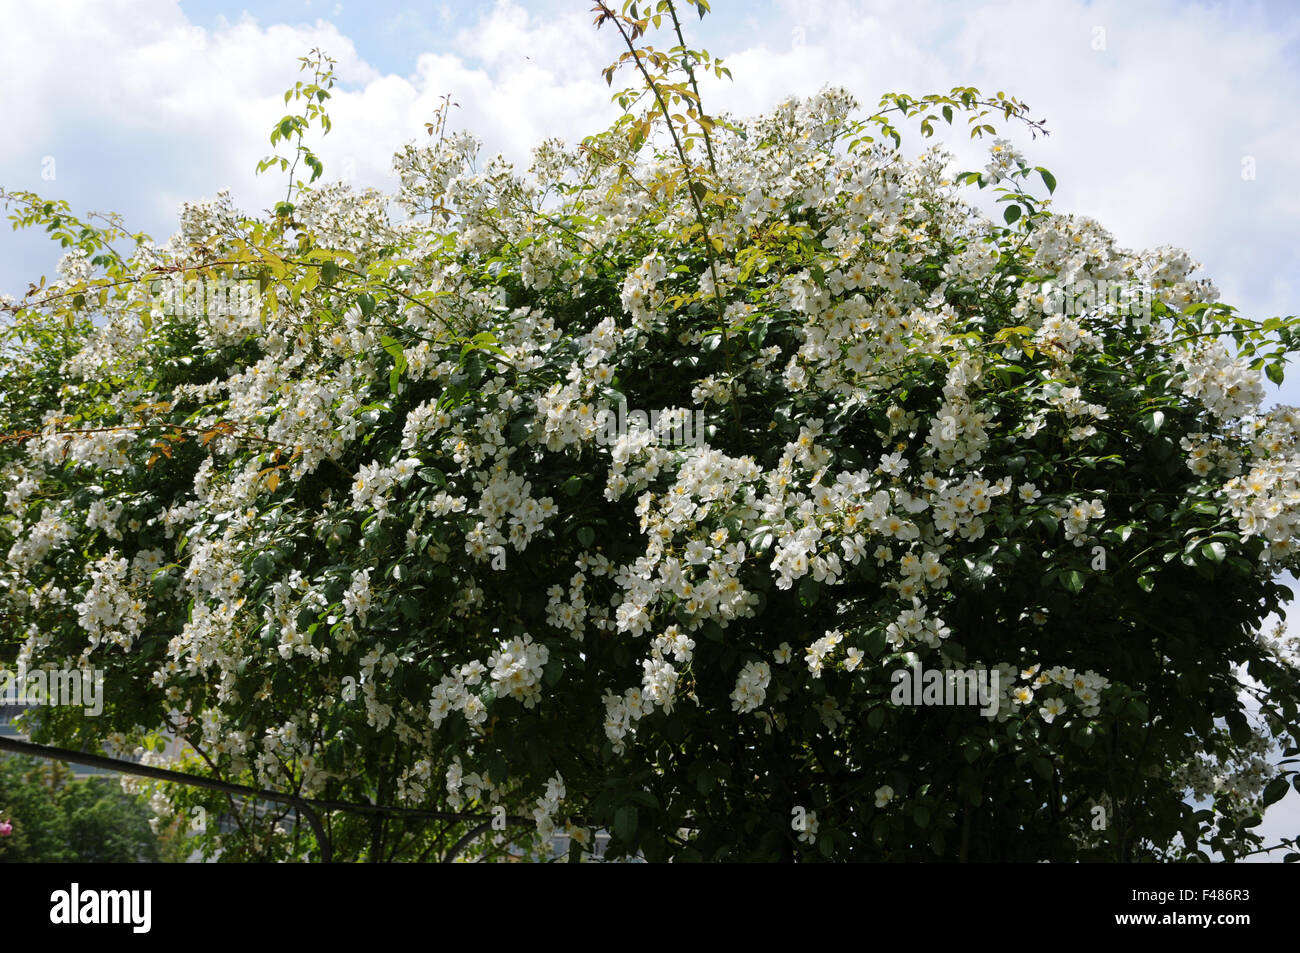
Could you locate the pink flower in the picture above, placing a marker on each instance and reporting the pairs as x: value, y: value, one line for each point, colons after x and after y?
x: 6, y: 828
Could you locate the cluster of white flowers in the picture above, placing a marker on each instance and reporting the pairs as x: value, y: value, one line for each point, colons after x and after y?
x: 1236, y: 781
x: 751, y: 687
x: 517, y: 669
x: 623, y: 712
x: 1075, y: 518
x: 42, y: 537
x: 1069, y: 401
x: 110, y: 611
x: 641, y: 294
x: 1051, y: 688
x: 102, y: 449
x: 1225, y: 385
x: 548, y: 805
x: 463, y: 788
x: 357, y: 599
x: 1005, y: 159
x: 1266, y: 503
x: 1208, y: 453
x: 344, y: 218
x: 452, y: 693
x: 817, y: 652
x: 957, y: 509
x: 914, y: 624
x: 22, y: 484
x: 374, y: 482
x: 1062, y: 337
x: 958, y: 434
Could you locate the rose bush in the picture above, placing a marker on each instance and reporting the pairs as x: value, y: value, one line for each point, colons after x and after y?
x: 363, y: 539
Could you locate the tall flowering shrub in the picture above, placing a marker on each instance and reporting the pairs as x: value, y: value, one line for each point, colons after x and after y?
x: 370, y: 539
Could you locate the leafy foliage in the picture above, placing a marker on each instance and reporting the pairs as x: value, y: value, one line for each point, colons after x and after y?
x: 364, y: 540
x: 57, y: 818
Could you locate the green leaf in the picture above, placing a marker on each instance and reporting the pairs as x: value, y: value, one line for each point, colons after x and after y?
x: 1072, y: 579
x: 1275, y: 791
x: 1276, y: 372
x: 625, y: 823
x: 978, y: 572
x: 586, y: 536
x: 1011, y: 213
x: 1238, y: 727
x: 1049, y: 180
x: 645, y: 799
x: 394, y: 349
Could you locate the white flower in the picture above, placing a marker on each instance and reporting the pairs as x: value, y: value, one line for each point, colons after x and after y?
x: 809, y: 833
x: 751, y: 687
x: 1051, y: 708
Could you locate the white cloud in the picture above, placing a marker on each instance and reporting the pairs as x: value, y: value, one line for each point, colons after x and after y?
x: 1149, y: 133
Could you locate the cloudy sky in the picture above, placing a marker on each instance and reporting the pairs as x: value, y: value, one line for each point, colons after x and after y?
x: 1170, y: 122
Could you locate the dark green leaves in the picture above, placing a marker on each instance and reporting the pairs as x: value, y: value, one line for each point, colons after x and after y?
x: 1153, y: 421
x: 1275, y: 791
x: 395, y: 351
x: 433, y: 475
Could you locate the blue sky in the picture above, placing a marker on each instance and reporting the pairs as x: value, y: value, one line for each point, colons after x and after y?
x: 1156, y: 110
